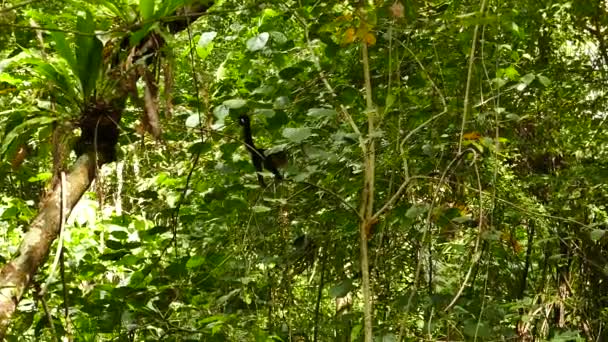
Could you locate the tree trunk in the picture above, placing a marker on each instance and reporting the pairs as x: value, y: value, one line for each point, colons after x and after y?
x: 16, y: 276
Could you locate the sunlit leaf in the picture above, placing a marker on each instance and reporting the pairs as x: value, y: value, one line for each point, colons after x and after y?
x: 322, y: 112
x: 297, y: 135
x: 235, y: 103
x: 195, y: 261
x: 258, y: 42
x: 260, y: 209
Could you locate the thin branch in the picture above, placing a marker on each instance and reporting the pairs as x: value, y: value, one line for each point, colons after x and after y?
x: 469, y: 77
x: 353, y: 209
x: 476, y: 253
x: 437, y: 90
x: 421, y: 126
x: 428, y: 75
x: 414, y: 287
x: 392, y: 200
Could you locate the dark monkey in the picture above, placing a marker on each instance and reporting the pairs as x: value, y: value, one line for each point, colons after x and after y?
x: 271, y: 162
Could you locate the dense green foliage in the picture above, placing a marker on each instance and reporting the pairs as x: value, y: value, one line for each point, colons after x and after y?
x: 493, y: 123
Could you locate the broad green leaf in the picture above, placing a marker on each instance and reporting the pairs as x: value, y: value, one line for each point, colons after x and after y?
x: 281, y: 102
x: 22, y: 128
x: 88, y: 54
x: 290, y: 72
x: 416, y: 210
x: 260, y: 209
x: 205, y: 44
x: 512, y: 116
x: 206, y: 38
x: 266, y: 112
x: 200, y: 147
x: 545, y: 81
x: 113, y: 244
x: 119, y: 234
x: 528, y: 78
x: 193, y: 121
x: 390, y: 100
x: 258, y: 42
x: 64, y: 50
x: 195, y: 261
x: 137, y: 279
x: 221, y: 112
x: 278, y: 37
x: 264, y: 90
x: 146, y: 9
x: 597, y: 234
x: 297, y: 135
x: 322, y: 113
x: 168, y: 7
x: 235, y: 103
x: 40, y: 177
x: 113, y: 256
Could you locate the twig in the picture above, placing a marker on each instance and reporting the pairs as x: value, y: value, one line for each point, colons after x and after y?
x: 469, y: 76
x: 476, y: 253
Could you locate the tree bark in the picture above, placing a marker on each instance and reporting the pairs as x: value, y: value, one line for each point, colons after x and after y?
x: 16, y: 276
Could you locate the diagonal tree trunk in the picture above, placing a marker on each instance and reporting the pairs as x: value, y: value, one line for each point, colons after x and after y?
x: 16, y: 276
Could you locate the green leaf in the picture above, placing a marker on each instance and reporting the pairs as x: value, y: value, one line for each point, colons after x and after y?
x: 206, y: 38
x: 113, y: 244
x: 193, y: 121
x: 20, y: 129
x: 390, y: 100
x: 200, y: 147
x: 235, y: 103
x: 290, y: 72
x: 221, y: 112
x: 113, y: 256
x: 322, y: 113
x: 545, y: 81
x: 205, y: 44
x: 528, y: 78
x: 597, y: 234
x: 258, y: 42
x: 260, y: 209
x: 64, y: 50
x: 511, y: 73
x: 146, y: 9
x: 137, y: 279
x: 119, y: 234
x: 266, y: 112
x: 416, y: 210
x: 168, y: 7
x: 297, y: 135
x: 88, y: 54
x: 195, y: 261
